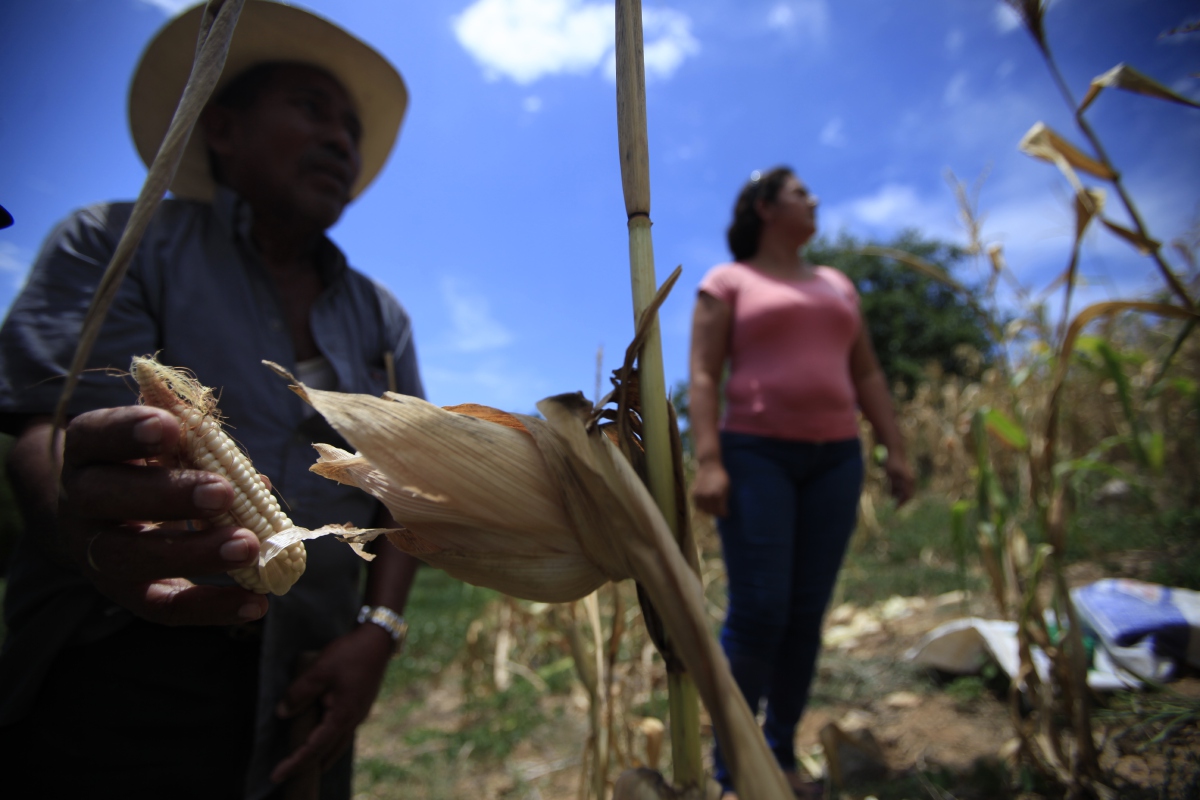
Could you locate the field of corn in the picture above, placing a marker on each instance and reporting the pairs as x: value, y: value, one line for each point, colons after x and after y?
x: 490, y: 699
x: 1065, y: 453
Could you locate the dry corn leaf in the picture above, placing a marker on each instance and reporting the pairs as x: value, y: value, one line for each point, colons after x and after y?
x: 216, y: 32
x: 1043, y: 142
x: 995, y: 254
x: 1032, y: 13
x: 1123, y: 76
x: 1088, y: 205
x: 1144, y: 244
x: 547, y: 511
x: 916, y: 262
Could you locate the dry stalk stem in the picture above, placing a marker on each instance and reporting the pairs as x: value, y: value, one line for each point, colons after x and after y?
x: 635, y: 183
x: 216, y: 31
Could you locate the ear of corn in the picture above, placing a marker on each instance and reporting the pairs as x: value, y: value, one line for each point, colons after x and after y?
x: 545, y: 511
x: 206, y: 446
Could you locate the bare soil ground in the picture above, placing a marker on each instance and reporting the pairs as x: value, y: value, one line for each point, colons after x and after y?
x: 938, y: 737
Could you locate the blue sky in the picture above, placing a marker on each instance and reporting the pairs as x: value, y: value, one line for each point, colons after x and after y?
x: 499, y: 220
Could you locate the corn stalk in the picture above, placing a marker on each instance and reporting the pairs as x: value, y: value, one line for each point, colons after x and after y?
x: 1026, y: 426
x: 1058, y: 738
x: 635, y: 181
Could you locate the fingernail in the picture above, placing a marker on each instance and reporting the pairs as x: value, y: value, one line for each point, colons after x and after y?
x: 210, y: 495
x: 236, y: 549
x: 250, y: 611
x: 148, y: 431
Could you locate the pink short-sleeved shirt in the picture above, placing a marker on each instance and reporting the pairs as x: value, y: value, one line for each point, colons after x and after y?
x: 789, y: 353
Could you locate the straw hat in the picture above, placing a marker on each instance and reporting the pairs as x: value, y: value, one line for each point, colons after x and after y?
x: 266, y: 31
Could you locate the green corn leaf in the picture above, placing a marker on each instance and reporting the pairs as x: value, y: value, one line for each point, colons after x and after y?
x: 958, y: 532
x: 1185, y: 386
x: 1154, y: 446
x: 1078, y: 466
x: 1006, y: 429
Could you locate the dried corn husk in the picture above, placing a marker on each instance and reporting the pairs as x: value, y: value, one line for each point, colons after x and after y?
x: 541, y: 509
x: 474, y: 496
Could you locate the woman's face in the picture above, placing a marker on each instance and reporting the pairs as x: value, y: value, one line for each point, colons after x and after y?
x: 794, y: 211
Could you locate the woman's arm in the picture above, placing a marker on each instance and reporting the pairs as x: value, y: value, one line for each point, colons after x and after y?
x: 710, y: 347
x: 876, y: 404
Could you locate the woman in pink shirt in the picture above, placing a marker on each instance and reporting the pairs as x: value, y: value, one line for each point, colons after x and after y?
x: 782, y: 470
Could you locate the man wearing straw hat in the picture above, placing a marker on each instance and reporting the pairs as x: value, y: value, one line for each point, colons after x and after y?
x: 120, y: 676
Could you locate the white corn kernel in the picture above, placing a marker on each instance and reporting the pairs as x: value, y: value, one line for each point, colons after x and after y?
x: 206, y: 446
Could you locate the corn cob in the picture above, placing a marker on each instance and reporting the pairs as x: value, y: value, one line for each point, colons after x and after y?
x: 206, y: 446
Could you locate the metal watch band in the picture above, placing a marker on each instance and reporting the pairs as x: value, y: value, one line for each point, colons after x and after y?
x: 387, y: 619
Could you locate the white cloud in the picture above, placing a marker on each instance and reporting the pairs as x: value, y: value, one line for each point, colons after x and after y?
x: 686, y: 151
x: 956, y: 90
x: 954, y: 41
x: 532, y: 104
x: 171, y: 7
x: 491, y: 380
x: 832, y: 134
x: 1005, y: 18
x: 1185, y: 86
x: 806, y: 18
x: 669, y: 40
x: 14, y: 264
x: 1005, y: 69
x: 890, y: 210
x: 886, y: 206
x: 474, y: 328
x: 525, y: 40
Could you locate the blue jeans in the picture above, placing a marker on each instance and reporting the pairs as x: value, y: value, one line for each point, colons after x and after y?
x: 792, y: 508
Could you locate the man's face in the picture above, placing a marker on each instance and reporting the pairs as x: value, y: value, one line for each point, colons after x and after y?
x: 293, y: 154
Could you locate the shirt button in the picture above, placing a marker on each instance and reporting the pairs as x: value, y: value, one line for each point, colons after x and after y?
x: 276, y: 325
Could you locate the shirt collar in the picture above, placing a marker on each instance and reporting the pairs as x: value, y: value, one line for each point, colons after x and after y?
x: 236, y: 215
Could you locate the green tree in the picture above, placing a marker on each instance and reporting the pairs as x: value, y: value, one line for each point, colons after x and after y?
x: 913, y: 320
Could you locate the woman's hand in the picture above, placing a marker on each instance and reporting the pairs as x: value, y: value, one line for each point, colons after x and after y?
x: 711, y: 488
x: 900, y: 476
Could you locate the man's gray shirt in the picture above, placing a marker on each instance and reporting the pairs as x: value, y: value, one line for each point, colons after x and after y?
x: 198, y: 296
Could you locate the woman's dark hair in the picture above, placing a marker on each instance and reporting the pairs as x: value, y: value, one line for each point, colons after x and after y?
x: 746, y: 227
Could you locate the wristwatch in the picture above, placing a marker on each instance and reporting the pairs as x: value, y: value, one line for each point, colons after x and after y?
x: 387, y: 619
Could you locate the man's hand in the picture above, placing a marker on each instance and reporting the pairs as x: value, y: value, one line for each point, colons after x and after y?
x: 900, y: 477
x: 344, y: 681
x: 710, y: 490
x: 118, y: 474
